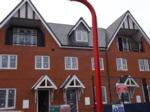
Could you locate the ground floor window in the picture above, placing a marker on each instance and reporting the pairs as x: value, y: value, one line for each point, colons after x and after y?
x: 104, y: 95
x: 7, y: 98
x: 148, y: 88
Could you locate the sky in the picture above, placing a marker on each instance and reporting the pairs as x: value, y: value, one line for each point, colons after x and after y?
x: 67, y: 12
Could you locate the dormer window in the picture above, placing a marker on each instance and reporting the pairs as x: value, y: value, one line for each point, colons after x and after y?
x: 24, y: 36
x: 81, y: 36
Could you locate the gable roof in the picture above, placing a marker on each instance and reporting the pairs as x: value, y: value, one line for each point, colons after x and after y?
x: 61, y: 31
x: 80, y: 21
x: 48, y: 83
x: 72, y: 82
x: 23, y: 2
x: 128, y: 81
x: 113, y: 29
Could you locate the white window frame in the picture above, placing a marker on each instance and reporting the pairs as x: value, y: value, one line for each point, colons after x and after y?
x: 18, y: 35
x: 143, y: 65
x: 8, y: 62
x: 105, y: 92
x: 101, y: 61
x: 83, y: 36
x: 6, y: 103
x: 42, y: 62
x: 121, y: 64
x: 71, y: 63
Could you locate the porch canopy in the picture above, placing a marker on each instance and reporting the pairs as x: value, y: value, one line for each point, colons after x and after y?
x: 72, y: 82
x: 44, y: 83
x: 128, y: 81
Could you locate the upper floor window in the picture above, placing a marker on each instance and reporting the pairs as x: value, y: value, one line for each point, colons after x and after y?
x: 81, y: 36
x: 121, y: 64
x: 7, y: 98
x: 143, y: 65
x: 129, y: 44
x: 24, y: 36
x: 101, y: 61
x: 42, y: 62
x: 8, y: 61
x: 71, y: 63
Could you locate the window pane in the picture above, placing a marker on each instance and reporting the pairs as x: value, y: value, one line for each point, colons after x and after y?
x: 11, y: 97
x: 104, y: 94
x: 45, y: 62
x: 24, y: 36
x: 67, y: 63
x: 126, y: 97
x: 118, y: 62
x: 2, y: 98
x: 38, y: 61
x: 4, y: 61
x: 74, y: 63
x: 12, y: 61
x: 146, y: 65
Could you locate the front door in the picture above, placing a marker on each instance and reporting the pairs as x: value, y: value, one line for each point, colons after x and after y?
x: 72, y: 99
x: 43, y: 101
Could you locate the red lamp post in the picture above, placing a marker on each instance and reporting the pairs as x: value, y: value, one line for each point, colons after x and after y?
x: 97, y: 75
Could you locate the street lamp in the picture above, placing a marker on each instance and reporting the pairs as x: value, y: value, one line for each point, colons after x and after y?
x: 97, y: 74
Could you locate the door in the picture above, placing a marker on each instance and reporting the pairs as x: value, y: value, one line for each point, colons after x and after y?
x: 145, y: 90
x: 43, y: 101
x: 72, y: 99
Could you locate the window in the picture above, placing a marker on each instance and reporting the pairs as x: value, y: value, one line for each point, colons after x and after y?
x: 104, y: 95
x: 125, y: 97
x: 8, y: 61
x: 148, y: 88
x: 143, y: 65
x: 71, y: 63
x: 128, y: 43
x: 24, y: 36
x: 42, y: 62
x: 7, y: 98
x: 81, y: 36
x: 101, y: 61
x: 121, y: 64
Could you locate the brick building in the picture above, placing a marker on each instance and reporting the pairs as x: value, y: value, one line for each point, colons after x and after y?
x: 44, y: 64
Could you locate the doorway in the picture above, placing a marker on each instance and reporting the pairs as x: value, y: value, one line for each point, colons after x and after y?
x: 72, y: 99
x: 43, y: 101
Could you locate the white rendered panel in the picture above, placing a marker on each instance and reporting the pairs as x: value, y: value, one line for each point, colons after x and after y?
x: 22, y: 12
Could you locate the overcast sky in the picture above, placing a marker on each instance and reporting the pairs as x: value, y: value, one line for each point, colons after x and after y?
x: 64, y: 11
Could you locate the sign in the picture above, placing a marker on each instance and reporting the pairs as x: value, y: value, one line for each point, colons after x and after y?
x: 65, y: 108
x: 121, y: 88
x: 118, y: 108
x: 54, y: 108
x: 87, y: 100
x: 25, y: 104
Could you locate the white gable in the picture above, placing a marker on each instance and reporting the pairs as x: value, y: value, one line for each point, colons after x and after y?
x: 26, y: 11
x: 129, y: 23
x: 44, y: 83
x: 74, y: 82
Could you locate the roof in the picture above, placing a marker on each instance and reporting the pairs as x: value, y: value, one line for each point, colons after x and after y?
x: 113, y: 27
x: 60, y: 32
